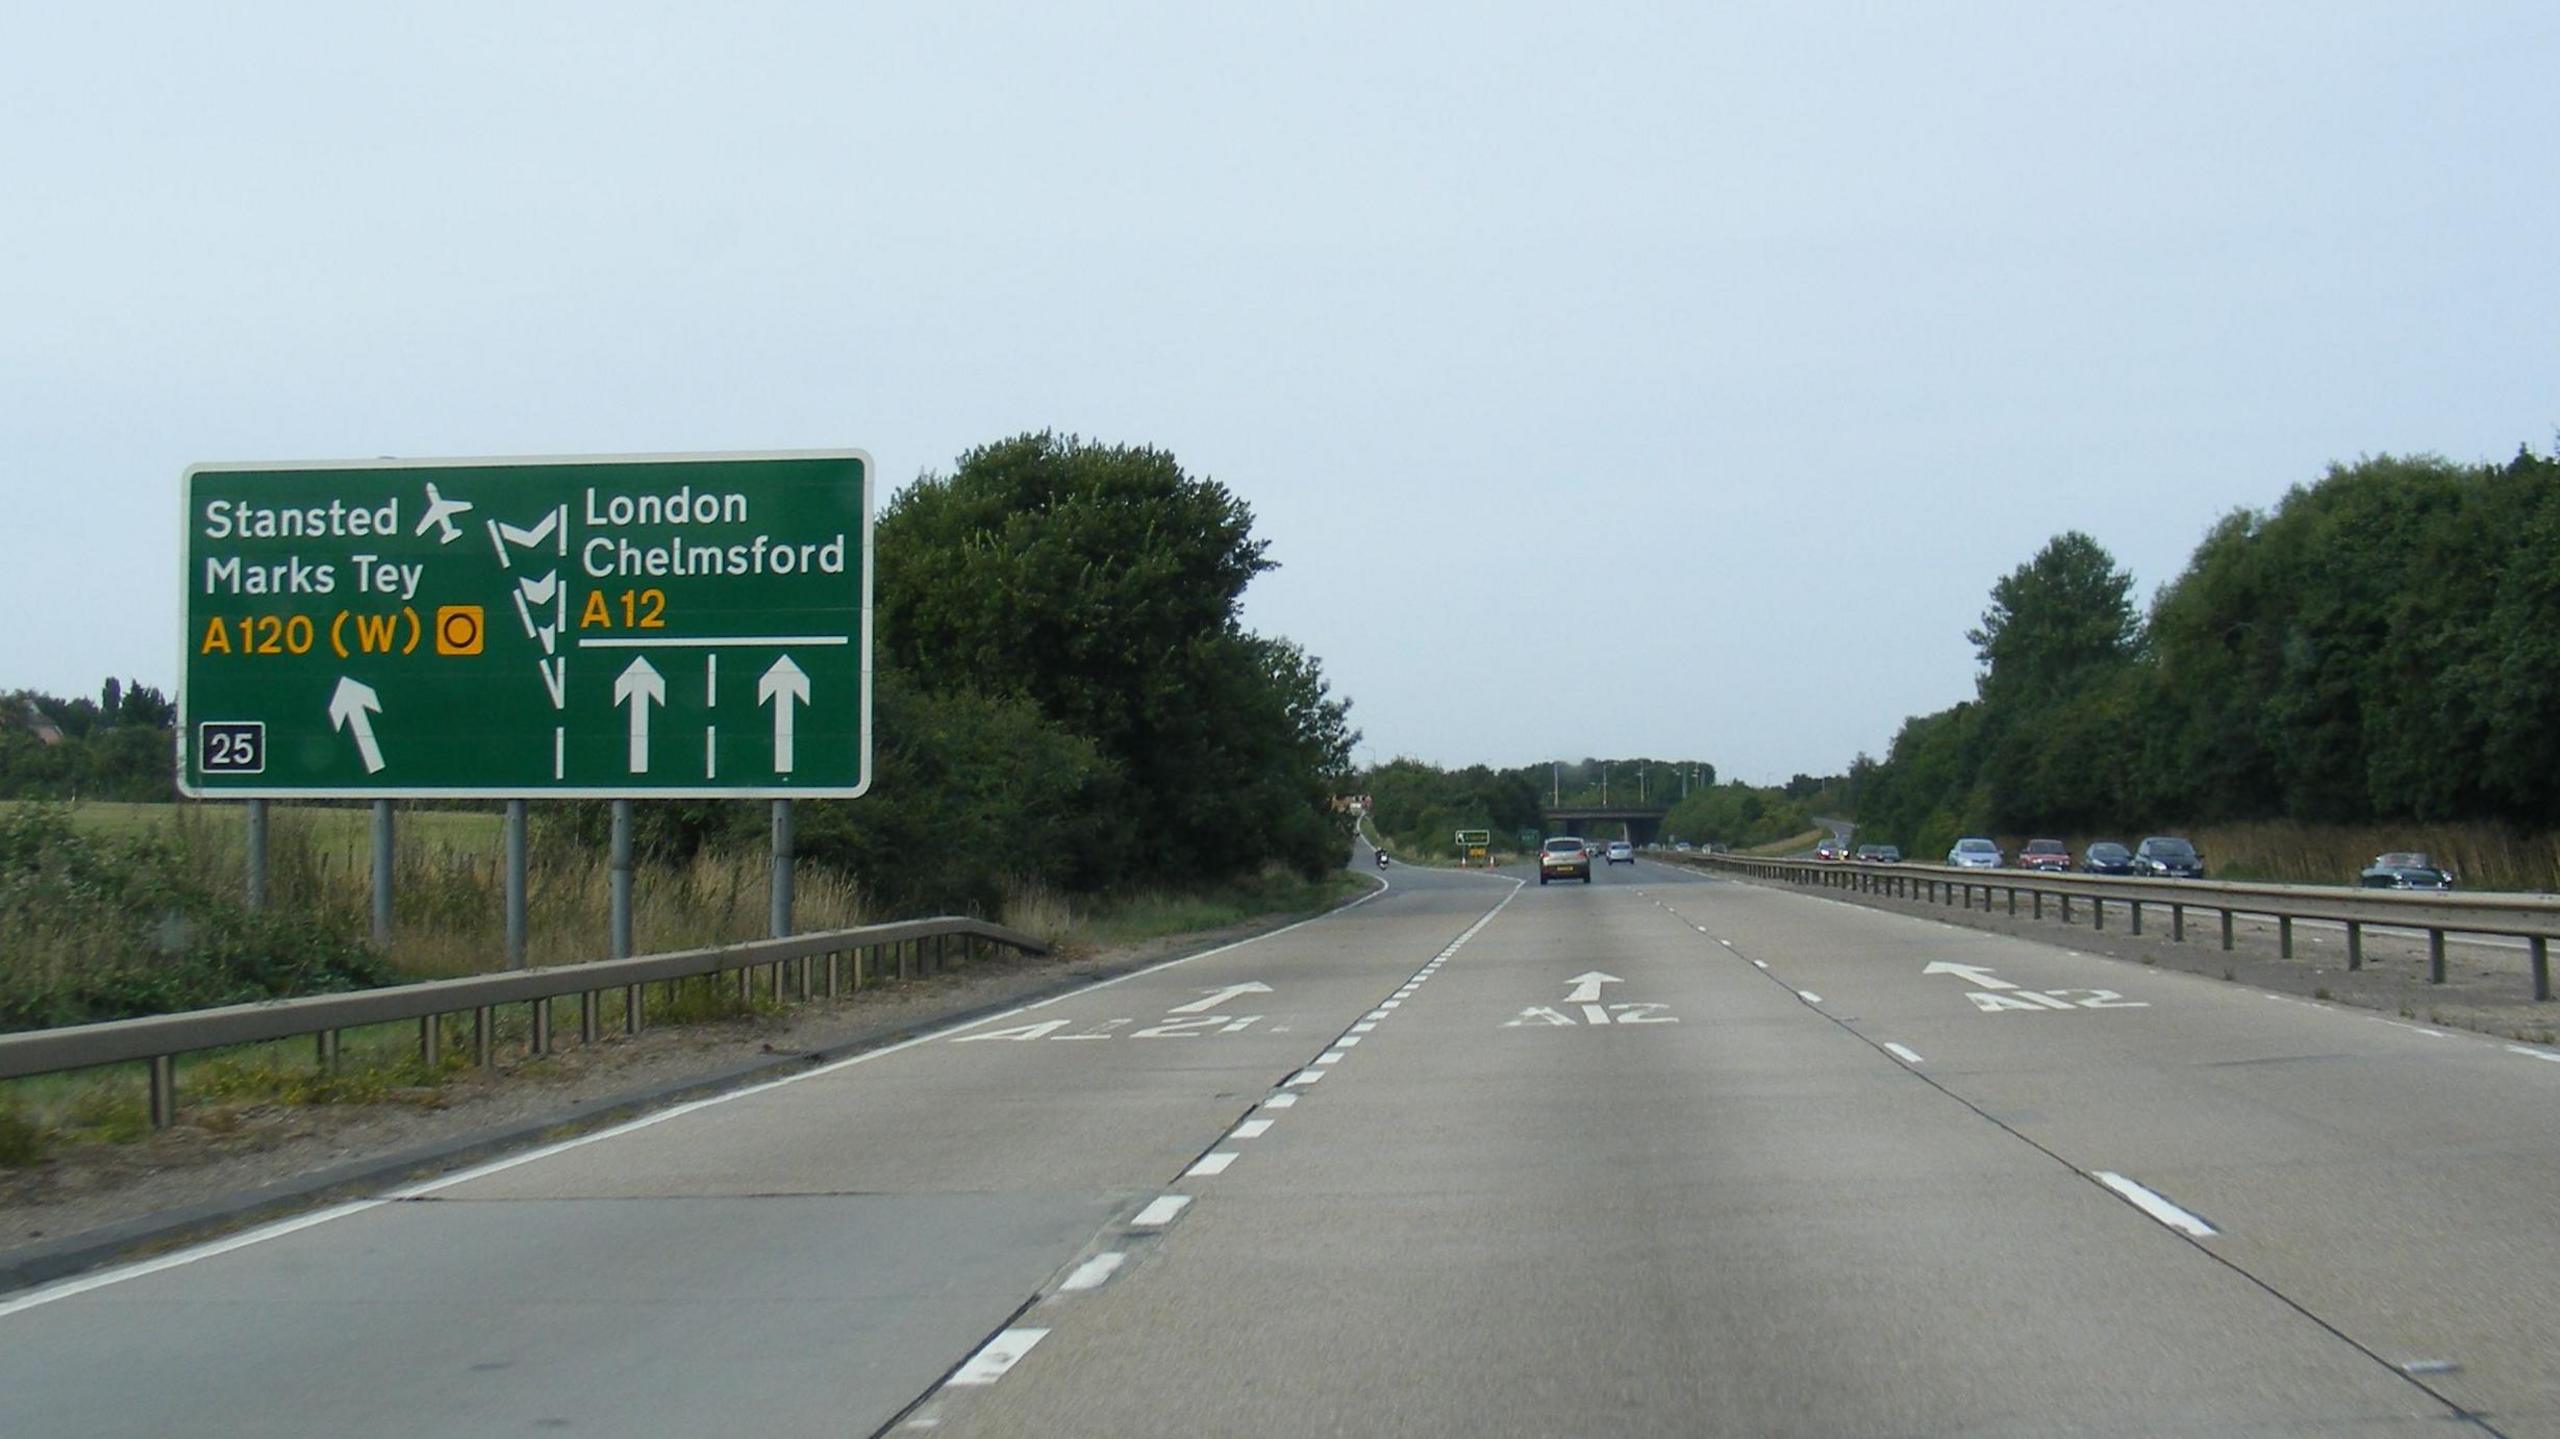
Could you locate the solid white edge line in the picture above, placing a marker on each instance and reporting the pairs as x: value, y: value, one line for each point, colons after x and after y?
x: 1091, y: 1273
x: 1160, y: 1211
x: 996, y: 1356
x: 2530, y: 1052
x: 1211, y: 1165
x: 2153, y: 1205
x: 1901, y: 1052
x: 71, y: 1288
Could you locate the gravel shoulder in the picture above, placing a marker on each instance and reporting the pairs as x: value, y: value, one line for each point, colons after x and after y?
x: 222, y: 1168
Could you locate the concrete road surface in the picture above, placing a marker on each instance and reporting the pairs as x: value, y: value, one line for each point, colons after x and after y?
x: 1664, y: 1154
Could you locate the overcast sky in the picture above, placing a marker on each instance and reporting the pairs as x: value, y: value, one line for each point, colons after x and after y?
x: 1607, y: 379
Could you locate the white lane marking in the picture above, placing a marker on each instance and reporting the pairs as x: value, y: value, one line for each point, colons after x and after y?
x: 1211, y: 1165
x: 1306, y: 1076
x: 1808, y: 996
x: 1346, y: 1041
x: 2153, y: 1205
x: 998, y: 1355
x: 1253, y: 1129
x: 1091, y: 1273
x: 1391, y: 1004
x: 1282, y: 1100
x: 1364, y: 1026
x: 1373, y: 1016
x: 2531, y: 1053
x: 1160, y: 1211
x: 1764, y: 964
x: 71, y: 1287
x: 1329, y: 1057
x: 1902, y: 1053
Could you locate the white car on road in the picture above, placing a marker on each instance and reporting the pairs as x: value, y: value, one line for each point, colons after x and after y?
x: 1621, y: 852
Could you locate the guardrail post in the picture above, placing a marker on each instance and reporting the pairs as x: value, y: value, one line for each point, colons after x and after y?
x: 542, y: 1026
x: 2178, y: 923
x: 484, y: 1037
x: 2097, y: 912
x: 164, y: 1090
x: 2541, y: 965
x: 382, y: 858
x: 431, y: 1040
x: 589, y: 1001
x: 2355, y: 944
x: 2066, y: 907
x: 2013, y: 901
x: 328, y: 1051
x: 2226, y: 930
x: 1967, y: 897
x: 2037, y: 896
x: 2284, y: 936
x: 634, y: 1008
x: 2435, y: 956
x: 2137, y: 916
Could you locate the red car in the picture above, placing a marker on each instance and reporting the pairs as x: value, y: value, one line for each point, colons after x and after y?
x: 1831, y: 850
x: 2051, y: 855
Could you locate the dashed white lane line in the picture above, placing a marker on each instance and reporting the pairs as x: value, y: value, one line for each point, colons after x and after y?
x: 2153, y: 1205
x: 998, y: 1355
x: 1764, y: 964
x: 1306, y: 1076
x: 1252, y: 1129
x: 1282, y: 1100
x: 1329, y: 1057
x: 1160, y: 1211
x: 1211, y: 1165
x: 1346, y: 1041
x: 1091, y: 1273
x: 1808, y: 996
x: 1902, y: 1053
x: 1364, y: 1026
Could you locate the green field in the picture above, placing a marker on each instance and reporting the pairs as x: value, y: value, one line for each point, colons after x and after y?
x: 335, y: 828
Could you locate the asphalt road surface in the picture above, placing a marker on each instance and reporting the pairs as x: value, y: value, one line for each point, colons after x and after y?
x: 1663, y: 1154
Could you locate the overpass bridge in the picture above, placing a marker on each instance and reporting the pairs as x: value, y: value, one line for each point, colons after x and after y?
x: 1637, y: 823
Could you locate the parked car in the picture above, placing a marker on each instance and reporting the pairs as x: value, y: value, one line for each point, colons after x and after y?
x: 2405, y: 869
x: 2046, y: 854
x: 2107, y: 857
x: 2165, y: 856
x: 1975, y: 852
x: 1621, y: 852
x: 1681, y: 846
x: 1564, y: 857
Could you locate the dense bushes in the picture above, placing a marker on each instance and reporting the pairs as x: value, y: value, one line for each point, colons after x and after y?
x: 93, y: 928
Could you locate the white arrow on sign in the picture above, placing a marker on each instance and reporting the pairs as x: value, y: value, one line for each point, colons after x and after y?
x: 352, y: 709
x: 640, y: 686
x: 1586, y: 987
x: 1220, y: 996
x: 781, y: 685
x: 1974, y: 974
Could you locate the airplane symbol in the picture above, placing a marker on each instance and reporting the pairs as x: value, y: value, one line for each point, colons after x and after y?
x: 440, y: 512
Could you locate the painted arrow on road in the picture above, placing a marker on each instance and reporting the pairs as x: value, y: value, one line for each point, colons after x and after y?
x: 781, y: 686
x: 640, y: 686
x: 1586, y: 987
x: 1973, y: 974
x: 352, y: 709
x: 1220, y: 996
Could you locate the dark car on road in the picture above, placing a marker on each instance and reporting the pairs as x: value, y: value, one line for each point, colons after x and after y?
x: 1564, y: 857
x: 2107, y: 857
x: 2045, y: 854
x: 2405, y: 869
x: 2165, y: 856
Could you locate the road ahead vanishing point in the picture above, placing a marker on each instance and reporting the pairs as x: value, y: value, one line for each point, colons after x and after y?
x: 1667, y: 1154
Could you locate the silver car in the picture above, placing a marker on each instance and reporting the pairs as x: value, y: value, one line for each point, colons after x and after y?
x: 1974, y: 852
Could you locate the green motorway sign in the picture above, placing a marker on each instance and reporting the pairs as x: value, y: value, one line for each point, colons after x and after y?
x: 635, y: 627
